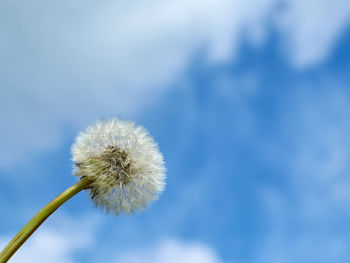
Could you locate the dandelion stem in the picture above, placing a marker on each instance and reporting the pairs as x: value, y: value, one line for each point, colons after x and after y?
x: 39, y: 218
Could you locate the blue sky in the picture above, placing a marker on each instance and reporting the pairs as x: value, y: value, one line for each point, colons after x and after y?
x: 250, y: 105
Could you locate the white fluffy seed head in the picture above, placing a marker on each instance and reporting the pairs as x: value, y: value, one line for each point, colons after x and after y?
x: 123, y: 163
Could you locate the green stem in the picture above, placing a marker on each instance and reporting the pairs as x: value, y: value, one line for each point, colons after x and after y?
x: 39, y: 218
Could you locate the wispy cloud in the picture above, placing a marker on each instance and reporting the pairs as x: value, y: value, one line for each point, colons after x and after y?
x: 311, y: 212
x: 172, y: 251
x: 60, y: 241
x: 310, y: 29
x: 61, y: 69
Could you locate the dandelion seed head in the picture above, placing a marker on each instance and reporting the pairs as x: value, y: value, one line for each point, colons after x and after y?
x: 123, y: 163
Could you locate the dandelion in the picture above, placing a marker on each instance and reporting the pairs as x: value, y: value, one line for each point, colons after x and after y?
x: 123, y: 164
x: 118, y: 164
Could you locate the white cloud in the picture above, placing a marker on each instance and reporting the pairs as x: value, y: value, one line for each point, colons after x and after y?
x: 311, y: 28
x: 172, y: 251
x: 56, y: 242
x: 64, y: 64
x: 61, y: 69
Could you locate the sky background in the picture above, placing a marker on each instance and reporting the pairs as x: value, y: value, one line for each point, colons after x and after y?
x: 248, y: 100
